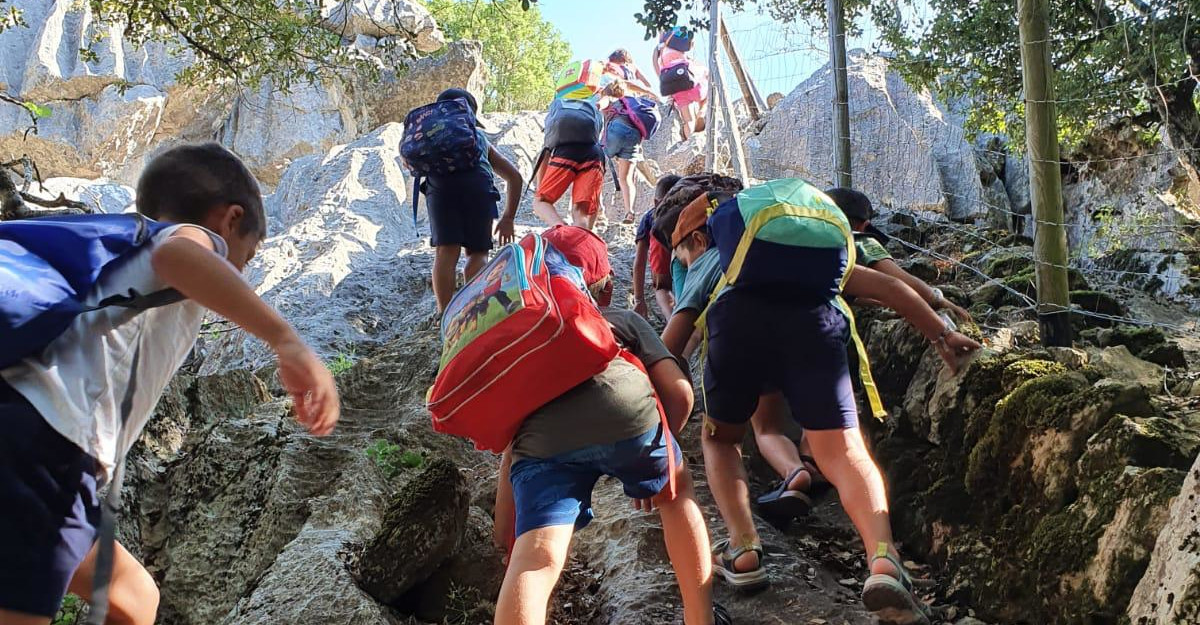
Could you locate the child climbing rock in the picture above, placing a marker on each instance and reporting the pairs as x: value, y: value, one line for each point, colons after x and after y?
x: 571, y: 157
x: 650, y: 249
x: 71, y: 409
x: 610, y: 425
x: 463, y: 204
x: 797, y: 470
x: 775, y: 330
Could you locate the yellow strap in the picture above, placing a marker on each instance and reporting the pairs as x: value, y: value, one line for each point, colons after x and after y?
x: 864, y: 365
x: 735, y: 267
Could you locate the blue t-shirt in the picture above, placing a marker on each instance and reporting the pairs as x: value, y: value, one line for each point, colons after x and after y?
x: 644, y: 226
x: 678, y: 277
x: 702, y: 277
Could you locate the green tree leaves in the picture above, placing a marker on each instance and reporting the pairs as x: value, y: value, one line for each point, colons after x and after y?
x: 521, y: 49
x: 1115, y: 60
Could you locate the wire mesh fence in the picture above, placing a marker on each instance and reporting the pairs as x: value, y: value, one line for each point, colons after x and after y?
x: 1132, y: 199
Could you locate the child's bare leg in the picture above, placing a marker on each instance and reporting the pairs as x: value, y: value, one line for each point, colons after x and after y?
x: 533, y: 569
x: 730, y: 487
x: 545, y: 211
x: 580, y: 216
x: 625, y: 173
x: 132, y: 594
x: 475, y: 263
x: 846, y: 463
x: 445, y: 268
x: 686, y: 537
x: 773, y: 444
x: 687, y: 119
x: 8, y: 617
x: 666, y: 303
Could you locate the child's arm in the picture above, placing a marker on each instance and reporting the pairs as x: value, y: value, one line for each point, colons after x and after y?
x: 679, y: 331
x: 898, y: 296
x: 922, y: 288
x: 504, y: 526
x: 674, y: 391
x: 186, y: 262
x: 515, y: 185
x: 639, y: 278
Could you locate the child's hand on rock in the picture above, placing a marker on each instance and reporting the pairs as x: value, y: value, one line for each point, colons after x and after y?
x: 311, y: 386
x: 954, y: 349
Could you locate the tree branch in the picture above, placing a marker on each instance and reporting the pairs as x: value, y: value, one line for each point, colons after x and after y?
x: 59, y: 202
x: 198, y: 46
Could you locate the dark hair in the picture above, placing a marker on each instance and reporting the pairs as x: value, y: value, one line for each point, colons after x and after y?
x: 186, y: 182
x: 682, y: 193
x: 854, y: 204
x: 620, y: 55
x: 454, y: 93
x: 664, y: 186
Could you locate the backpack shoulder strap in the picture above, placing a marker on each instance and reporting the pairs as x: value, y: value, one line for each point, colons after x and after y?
x: 735, y: 266
x: 416, y: 200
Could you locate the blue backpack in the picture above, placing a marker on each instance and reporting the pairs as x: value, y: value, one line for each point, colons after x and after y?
x: 439, y: 139
x: 642, y: 113
x: 49, y: 265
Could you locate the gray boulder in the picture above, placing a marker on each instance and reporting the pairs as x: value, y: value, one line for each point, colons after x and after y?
x: 101, y: 196
x: 906, y: 151
x: 343, y: 234
x: 384, y: 18
x: 460, y: 65
x: 1170, y: 590
x: 269, y: 128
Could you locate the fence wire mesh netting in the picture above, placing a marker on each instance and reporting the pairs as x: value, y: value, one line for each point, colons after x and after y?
x: 959, y: 198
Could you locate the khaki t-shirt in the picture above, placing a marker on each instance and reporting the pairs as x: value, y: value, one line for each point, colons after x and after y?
x: 870, y: 251
x: 615, y: 404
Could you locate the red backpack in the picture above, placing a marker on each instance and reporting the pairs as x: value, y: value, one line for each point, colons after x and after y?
x: 521, y: 333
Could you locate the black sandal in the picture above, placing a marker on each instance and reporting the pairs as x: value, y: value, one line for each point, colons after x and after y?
x: 784, y: 504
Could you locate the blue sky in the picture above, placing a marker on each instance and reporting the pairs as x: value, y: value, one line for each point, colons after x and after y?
x: 779, y: 56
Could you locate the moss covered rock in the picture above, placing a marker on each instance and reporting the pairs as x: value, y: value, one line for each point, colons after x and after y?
x: 421, y: 528
x: 1037, y: 482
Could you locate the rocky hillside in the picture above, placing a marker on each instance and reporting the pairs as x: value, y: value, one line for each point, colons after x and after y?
x: 1037, y: 486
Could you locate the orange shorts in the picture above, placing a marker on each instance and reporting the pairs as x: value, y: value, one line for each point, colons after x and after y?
x: 585, y: 180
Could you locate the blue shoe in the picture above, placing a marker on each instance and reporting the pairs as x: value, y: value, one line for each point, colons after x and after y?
x: 782, y: 505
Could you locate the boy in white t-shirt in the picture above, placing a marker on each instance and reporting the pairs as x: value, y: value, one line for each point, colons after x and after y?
x: 61, y: 411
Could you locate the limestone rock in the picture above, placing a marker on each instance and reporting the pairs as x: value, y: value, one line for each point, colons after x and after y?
x: 470, y: 576
x: 421, y: 528
x: 1118, y: 363
x: 907, y: 153
x: 269, y: 129
x: 1116, y: 196
x: 1169, y: 592
x: 384, y: 18
x: 340, y: 264
x: 460, y: 65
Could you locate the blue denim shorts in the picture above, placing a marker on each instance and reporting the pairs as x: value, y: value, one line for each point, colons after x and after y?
x: 558, y: 490
x: 623, y: 141
x: 48, y: 494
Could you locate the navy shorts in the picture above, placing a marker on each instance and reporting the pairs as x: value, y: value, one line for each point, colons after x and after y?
x: 48, y: 494
x: 558, y: 490
x: 758, y: 344
x: 462, y: 209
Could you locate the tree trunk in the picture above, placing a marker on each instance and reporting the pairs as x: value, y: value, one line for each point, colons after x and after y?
x: 1182, y: 120
x: 1177, y: 105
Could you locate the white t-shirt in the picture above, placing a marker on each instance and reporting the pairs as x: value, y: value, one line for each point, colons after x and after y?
x: 80, y: 380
